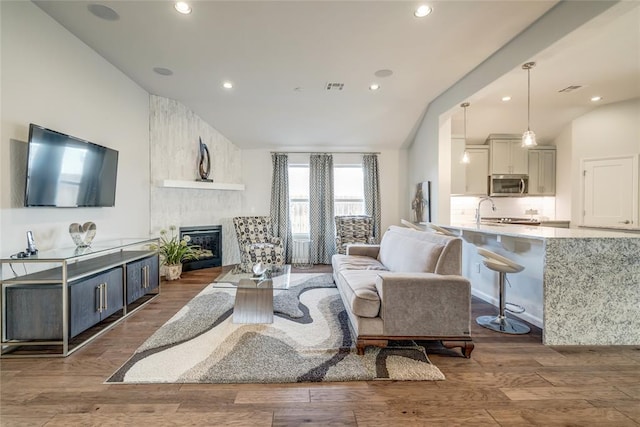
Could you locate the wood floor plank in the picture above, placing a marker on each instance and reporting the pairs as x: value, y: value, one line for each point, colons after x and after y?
x: 317, y: 417
x: 237, y: 418
x: 419, y: 418
x: 507, y: 381
x: 562, y: 417
x: 287, y: 395
x: 553, y: 393
x: 593, y: 377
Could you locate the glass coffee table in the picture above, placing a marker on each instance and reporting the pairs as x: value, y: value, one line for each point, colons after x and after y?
x: 254, y: 294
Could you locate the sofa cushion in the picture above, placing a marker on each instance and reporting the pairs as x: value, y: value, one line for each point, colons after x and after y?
x: 410, y: 251
x: 356, y: 262
x: 361, y: 291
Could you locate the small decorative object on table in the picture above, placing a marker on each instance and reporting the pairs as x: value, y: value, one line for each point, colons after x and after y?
x: 82, y: 235
x: 204, y: 163
x: 174, y: 251
x: 259, y: 269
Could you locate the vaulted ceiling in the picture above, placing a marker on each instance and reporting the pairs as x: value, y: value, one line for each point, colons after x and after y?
x: 280, y: 56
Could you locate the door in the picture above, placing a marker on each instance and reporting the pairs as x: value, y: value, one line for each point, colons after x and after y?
x: 610, y: 192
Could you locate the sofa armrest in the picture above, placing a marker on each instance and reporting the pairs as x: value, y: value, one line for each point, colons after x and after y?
x: 363, y: 250
x: 424, y: 304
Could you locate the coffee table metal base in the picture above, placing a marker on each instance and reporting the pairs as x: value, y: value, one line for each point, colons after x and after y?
x: 254, y: 302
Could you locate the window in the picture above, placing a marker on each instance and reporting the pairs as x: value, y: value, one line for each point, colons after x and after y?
x: 348, y: 188
x: 299, y: 198
x: 348, y: 192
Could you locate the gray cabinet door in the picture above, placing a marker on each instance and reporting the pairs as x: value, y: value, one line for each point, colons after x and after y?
x: 89, y: 300
x: 142, y: 277
x: 84, y: 300
x: 114, y: 293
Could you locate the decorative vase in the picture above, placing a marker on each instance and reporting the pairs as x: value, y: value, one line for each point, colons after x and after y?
x: 173, y: 271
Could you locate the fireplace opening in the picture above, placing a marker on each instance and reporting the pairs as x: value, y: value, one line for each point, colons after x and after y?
x: 208, y: 237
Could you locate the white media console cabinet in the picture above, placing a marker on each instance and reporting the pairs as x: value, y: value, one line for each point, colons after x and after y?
x: 56, y: 301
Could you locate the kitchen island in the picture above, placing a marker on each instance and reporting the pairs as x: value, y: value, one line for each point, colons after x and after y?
x: 582, y: 286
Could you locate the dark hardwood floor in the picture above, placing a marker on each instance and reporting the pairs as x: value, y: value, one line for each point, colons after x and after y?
x: 509, y: 381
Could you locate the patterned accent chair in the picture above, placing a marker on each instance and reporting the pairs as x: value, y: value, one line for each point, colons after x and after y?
x: 352, y: 229
x: 256, y: 242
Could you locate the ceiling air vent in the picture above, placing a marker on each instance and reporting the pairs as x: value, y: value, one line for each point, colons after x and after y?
x: 570, y: 88
x: 335, y: 86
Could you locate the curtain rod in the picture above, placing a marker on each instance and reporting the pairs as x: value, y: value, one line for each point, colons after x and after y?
x: 325, y: 152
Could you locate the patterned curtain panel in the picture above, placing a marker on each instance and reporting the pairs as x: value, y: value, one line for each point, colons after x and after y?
x: 321, y: 220
x: 372, y: 205
x: 280, y: 202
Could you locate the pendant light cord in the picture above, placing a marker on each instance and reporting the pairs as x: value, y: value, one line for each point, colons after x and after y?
x: 528, y: 99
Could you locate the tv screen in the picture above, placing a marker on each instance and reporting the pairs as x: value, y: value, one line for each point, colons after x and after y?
x: 64, y: 171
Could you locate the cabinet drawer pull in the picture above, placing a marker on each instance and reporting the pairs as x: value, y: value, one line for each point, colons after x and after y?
x: 100, y: 297
x: 104, y: 287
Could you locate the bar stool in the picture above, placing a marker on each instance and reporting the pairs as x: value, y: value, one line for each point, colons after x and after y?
x: 500, y: 323
x: 439, y: 229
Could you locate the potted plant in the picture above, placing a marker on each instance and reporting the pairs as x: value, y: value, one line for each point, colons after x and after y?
x: 174, y: 252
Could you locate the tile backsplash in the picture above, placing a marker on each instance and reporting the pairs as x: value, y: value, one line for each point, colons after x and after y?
x: 463, y: 209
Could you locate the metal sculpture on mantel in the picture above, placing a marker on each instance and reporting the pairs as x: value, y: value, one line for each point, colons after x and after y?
x: 204, y: 163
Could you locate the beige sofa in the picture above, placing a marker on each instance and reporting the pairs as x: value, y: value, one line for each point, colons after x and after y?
x: 408, y: 287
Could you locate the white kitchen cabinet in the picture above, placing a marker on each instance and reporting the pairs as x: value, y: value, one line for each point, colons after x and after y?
x: 477, y: 171
x: 469, y: 179
x: 508, y: 157
x: 457, y: 167
x: 542, y: 171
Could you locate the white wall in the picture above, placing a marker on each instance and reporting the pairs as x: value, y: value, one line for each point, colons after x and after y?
x: 175, y: 131
x: 257, y: 171
x: 564, y: 172
x: 51, y: 78
x: 425, y: 159
x: 610, y: 130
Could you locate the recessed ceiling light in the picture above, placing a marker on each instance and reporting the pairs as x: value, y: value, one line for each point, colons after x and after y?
x: 103, y: 12
x: 596, y: 98
x: 183, y: 7
x: 162, y: 71
x: 383, y: 73
x: 227, y: 85
x: 374, y: 86
x: 506, y: 98
x: 422, y: 11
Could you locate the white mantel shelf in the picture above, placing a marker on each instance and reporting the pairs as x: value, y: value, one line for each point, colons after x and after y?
x: 198, y: 185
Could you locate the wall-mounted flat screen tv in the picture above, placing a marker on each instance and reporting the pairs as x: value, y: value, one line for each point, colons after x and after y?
x: 64, y: 171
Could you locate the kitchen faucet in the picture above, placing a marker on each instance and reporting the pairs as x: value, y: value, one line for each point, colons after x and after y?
x: 482, y: 199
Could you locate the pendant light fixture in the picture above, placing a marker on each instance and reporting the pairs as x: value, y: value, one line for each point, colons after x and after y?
x: 529, y: 137
x: 465, y: 156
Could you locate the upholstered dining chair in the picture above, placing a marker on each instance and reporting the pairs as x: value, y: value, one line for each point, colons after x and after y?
x: 257, y: 243
x: 352, y: 229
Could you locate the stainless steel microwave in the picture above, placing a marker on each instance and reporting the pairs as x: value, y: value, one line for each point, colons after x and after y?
x: 508, y: 185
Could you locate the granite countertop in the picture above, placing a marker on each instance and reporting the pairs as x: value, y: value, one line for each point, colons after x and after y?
x: 539, y: 232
